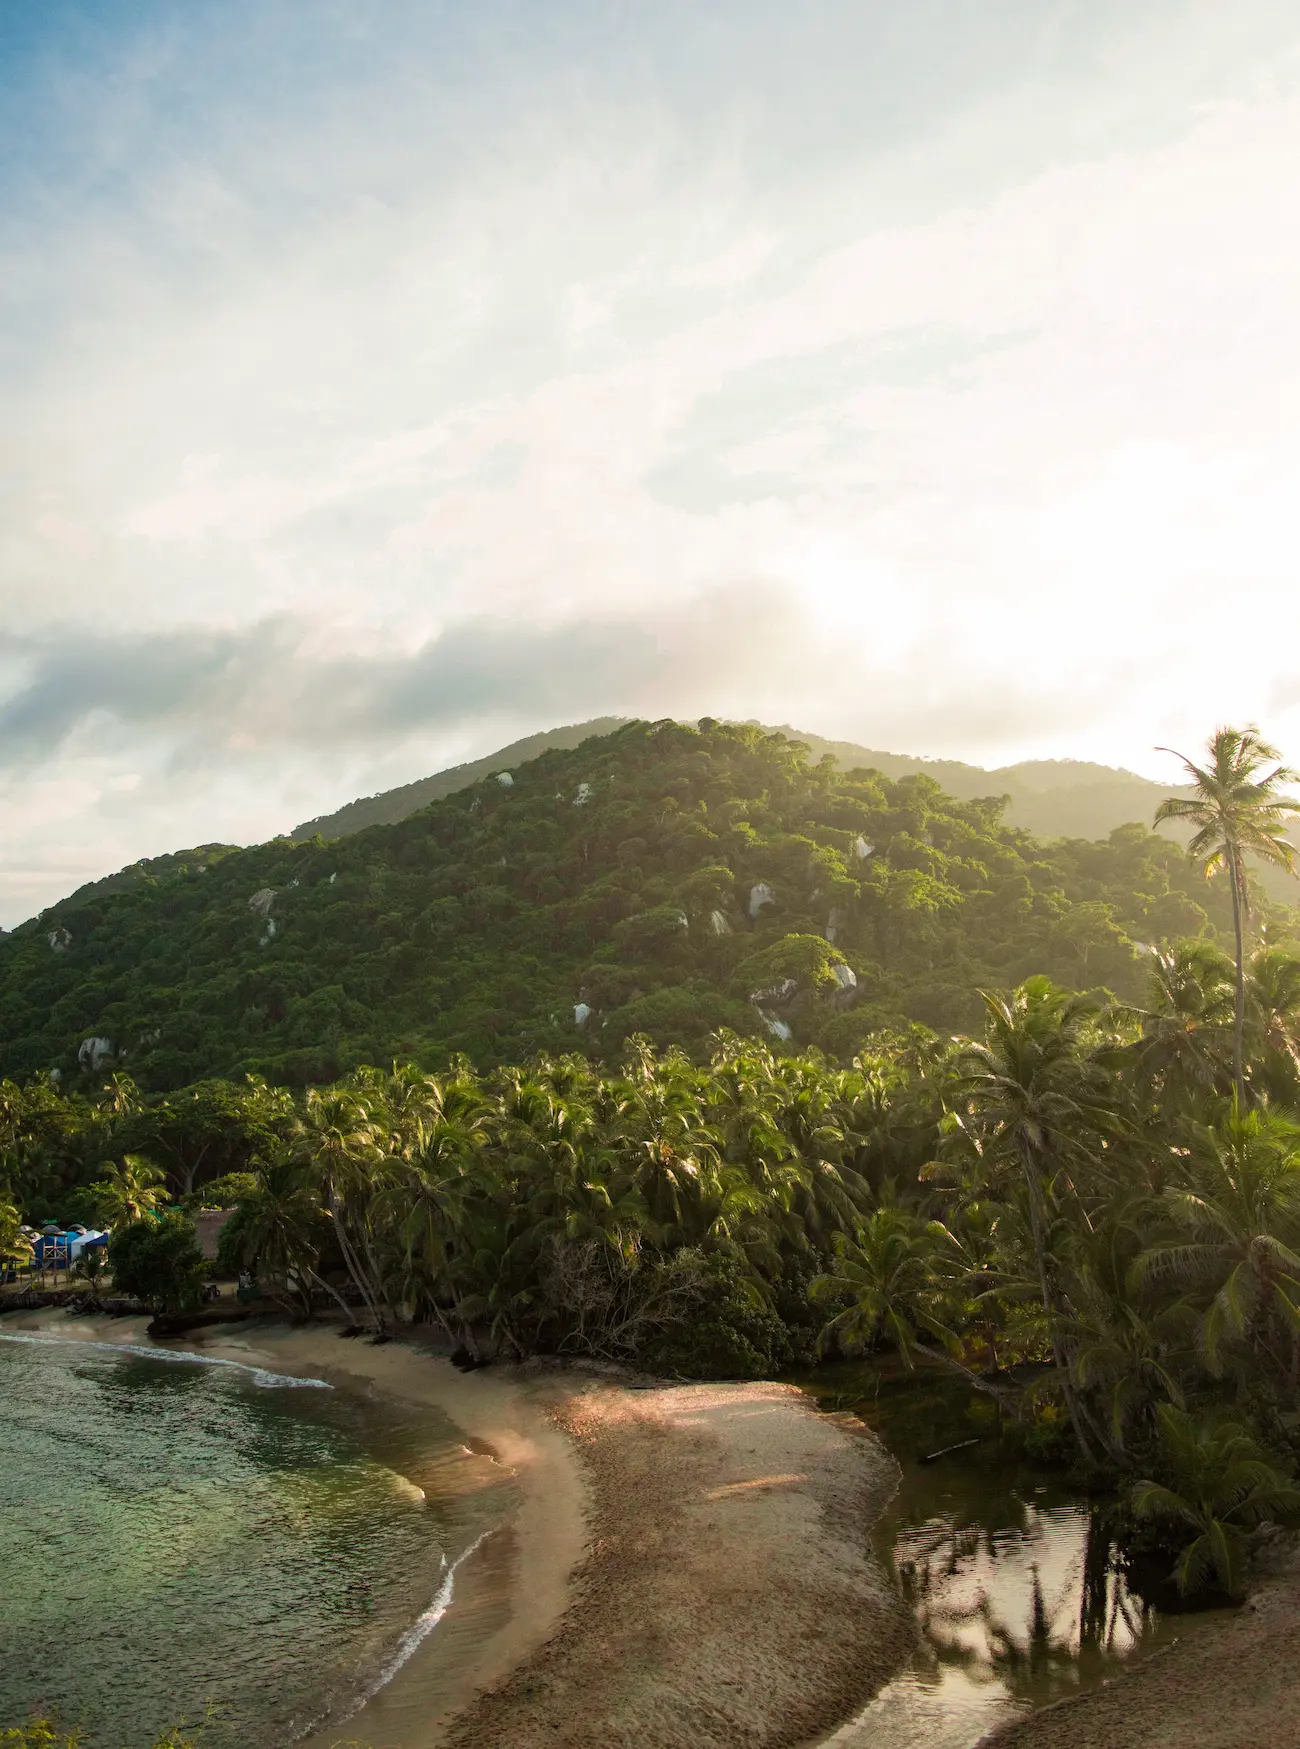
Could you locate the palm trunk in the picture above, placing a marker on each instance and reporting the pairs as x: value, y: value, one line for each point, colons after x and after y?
x: 1005, y: 1398
x: 332, y: 1291
x: 1239, y: 1021
x: 351, y: 1261
x: 1052, y: 1314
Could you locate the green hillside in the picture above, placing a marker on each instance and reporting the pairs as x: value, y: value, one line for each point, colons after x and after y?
x: 1052, y: 798
x: 392, y: 805
x: 662, y: 879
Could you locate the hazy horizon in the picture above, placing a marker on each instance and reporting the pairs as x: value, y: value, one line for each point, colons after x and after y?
x: 380, y: 384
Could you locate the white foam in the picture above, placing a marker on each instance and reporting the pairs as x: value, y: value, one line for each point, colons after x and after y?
x: 269, y: 1381
x: 415, y: 1635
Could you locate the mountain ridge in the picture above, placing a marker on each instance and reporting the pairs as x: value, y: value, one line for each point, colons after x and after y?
x: 1065, y: 798
x: 666, y: 880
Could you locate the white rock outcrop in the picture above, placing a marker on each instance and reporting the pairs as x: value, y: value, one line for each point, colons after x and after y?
x: 581, y: 1014
x: 583, y: 796
x: 718, y: 923
x: 60, y: 940
x: 261, y: 902
x: 506, y: 779
x: 268, y: 934
x: 93, y: 1053
x: 777, y: 1028
x: 862, y: 848
x: 845, y: 977
x: 835, y: 923
x: 775, y: 994
x: 759, y: 896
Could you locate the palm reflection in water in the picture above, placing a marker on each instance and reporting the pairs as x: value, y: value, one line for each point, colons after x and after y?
x: 1028, y: 1598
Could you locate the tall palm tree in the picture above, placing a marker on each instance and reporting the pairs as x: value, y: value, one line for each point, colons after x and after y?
x: 1036, y: 1101
x: 1237, y: 809
x: 337, y: 1139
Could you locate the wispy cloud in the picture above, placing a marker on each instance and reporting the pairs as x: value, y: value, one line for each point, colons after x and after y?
x: 277, y: 684
x: 376, y: 380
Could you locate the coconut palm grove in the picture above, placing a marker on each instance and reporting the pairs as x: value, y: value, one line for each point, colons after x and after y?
x: 681, y: 1050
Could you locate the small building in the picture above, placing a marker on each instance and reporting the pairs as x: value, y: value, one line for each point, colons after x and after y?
x: 60, y: 1248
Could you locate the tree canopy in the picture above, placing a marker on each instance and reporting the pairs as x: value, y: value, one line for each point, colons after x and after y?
x: 664, y: 880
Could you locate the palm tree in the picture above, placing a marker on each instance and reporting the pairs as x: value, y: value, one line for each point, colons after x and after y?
x: 337, y: 1139
x: 278, y: 1229
x: 1273, y: 1017
x: 1237, y: 1226
x: 1035, y: 1101
x: 899, y: 1276
x: 1184, y: 1048
x: 1237, y: 809
x: 1221, y: 1486
x: 128, y: 1191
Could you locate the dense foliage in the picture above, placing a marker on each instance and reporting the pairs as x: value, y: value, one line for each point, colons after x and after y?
x: 1089, y: 1206
x: 648, y: 882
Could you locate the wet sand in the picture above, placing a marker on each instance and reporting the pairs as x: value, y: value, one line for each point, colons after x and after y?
x: 683, y: 1567
x: 1230, y: 1686
x: 728, y: 1596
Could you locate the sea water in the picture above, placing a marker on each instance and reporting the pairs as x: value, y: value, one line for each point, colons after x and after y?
x: 181, y: 1539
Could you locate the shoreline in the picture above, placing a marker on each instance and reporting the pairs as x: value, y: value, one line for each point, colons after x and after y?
x: 1229, y: 1687
x: 689, y: 1567
x: 681, y: 1567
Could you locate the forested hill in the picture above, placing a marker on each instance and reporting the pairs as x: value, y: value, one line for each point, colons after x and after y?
x: 1053, y: 798
x: 662, y: 879
x: 392, y: 805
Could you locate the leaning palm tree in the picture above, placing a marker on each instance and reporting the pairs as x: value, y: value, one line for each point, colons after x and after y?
x: 339, y: 1143
x: 900, y: 1278
x: 1237, y: 809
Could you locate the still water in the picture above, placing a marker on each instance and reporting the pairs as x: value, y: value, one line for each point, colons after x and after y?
x: 1020, y: 1596
x: 179, y: 1538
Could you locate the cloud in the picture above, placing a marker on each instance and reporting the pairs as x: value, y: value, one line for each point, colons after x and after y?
x: 379, y: 384
x: 280, y: 683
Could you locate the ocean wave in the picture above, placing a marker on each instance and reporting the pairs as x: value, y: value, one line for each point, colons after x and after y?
x: 415, y: 1635
x: 269, y: 1381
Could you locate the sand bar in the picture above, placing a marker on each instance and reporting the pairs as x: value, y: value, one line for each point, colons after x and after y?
x: 684, y: 1565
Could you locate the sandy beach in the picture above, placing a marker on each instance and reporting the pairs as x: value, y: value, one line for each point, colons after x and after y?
x: 689, y: 1567
x: 682, y: 1567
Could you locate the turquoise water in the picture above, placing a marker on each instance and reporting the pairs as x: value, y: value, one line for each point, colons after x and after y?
x: 178, y: 1537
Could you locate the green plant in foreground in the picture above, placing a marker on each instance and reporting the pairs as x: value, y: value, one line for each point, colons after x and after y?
x: 44, y: 1731
x: 1221, y: 1486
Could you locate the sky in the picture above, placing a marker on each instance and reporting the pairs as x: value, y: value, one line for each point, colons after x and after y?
x: 381, y: 382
